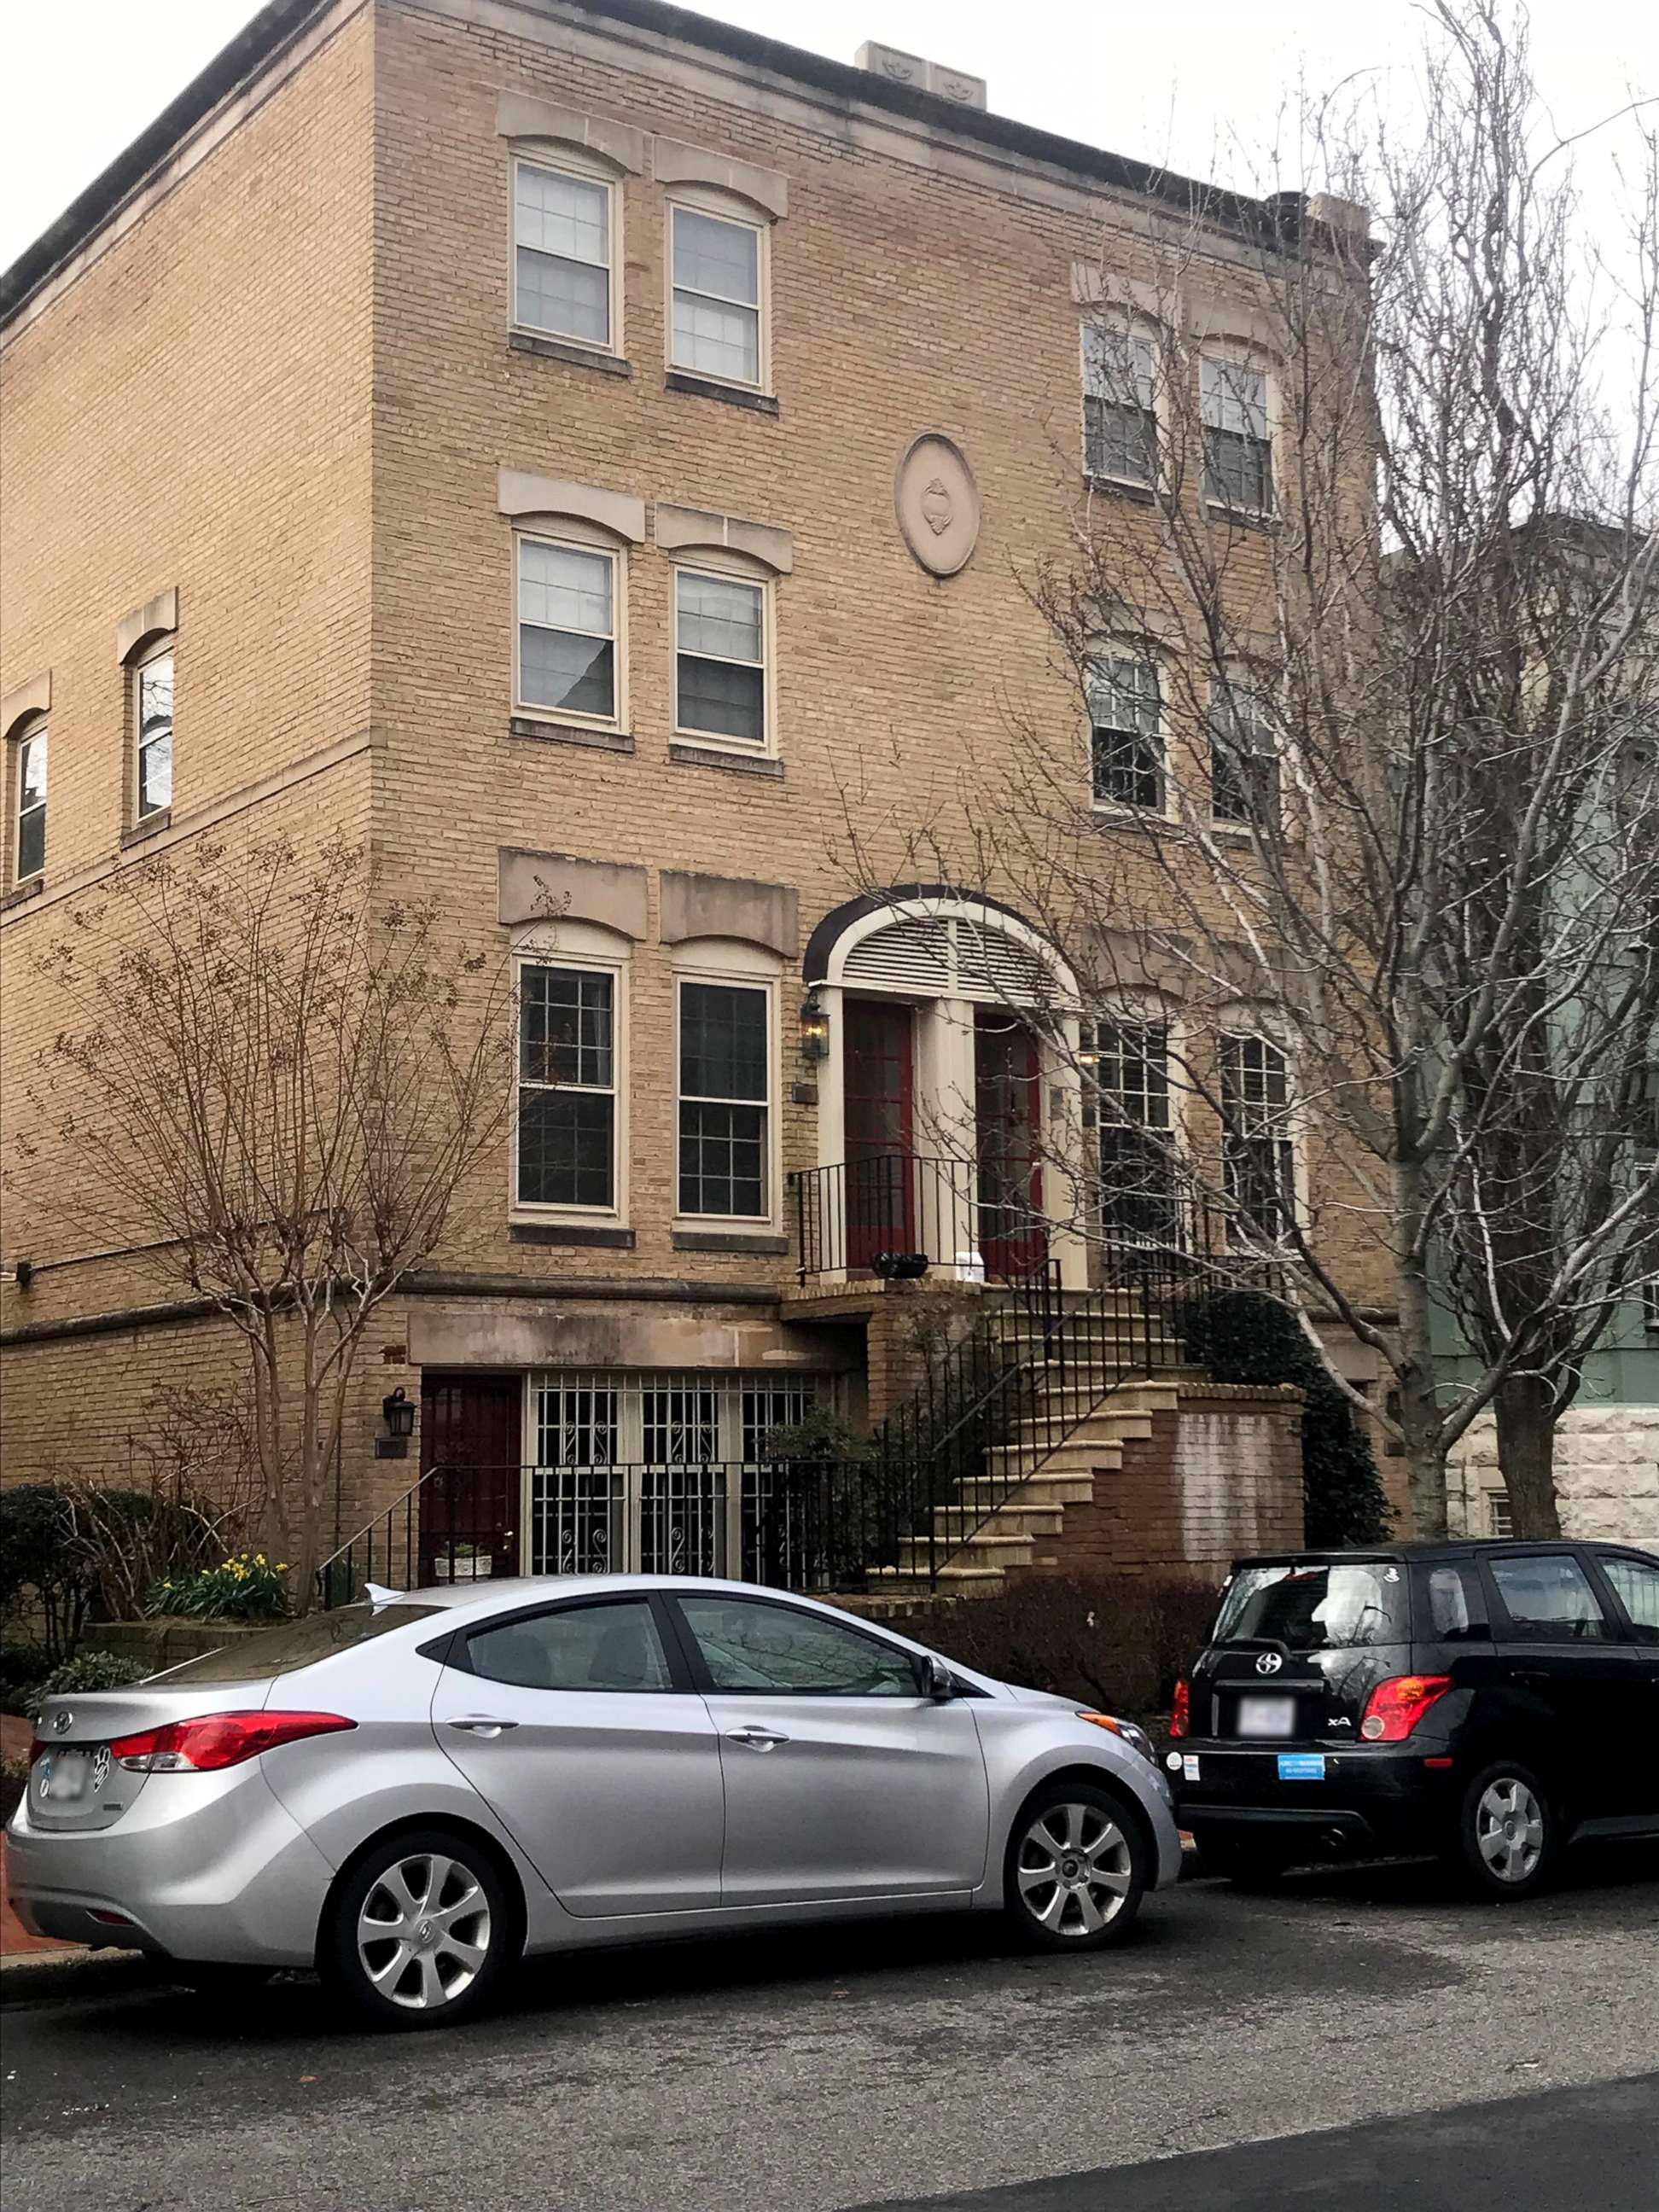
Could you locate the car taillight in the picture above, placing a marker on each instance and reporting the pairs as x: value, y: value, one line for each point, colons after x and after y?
x: 1394, y: 1707
x: 216, y: 1739
x: 1180, y: 1718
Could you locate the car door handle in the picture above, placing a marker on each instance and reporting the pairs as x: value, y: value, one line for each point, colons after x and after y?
x: 480, y: 1723
x: 757, y: 1739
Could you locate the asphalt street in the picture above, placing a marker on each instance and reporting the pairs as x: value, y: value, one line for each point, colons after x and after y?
x: 1366, y: 2039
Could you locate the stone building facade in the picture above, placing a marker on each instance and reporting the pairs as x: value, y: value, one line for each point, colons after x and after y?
x: 589, y: 454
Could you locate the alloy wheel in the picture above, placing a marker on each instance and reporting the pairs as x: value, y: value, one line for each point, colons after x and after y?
x: 1073, y: 1869
x: 1509, y: 1829
x: 423, y: 1931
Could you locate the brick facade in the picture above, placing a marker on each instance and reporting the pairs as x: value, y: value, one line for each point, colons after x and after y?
x: 280, y: 378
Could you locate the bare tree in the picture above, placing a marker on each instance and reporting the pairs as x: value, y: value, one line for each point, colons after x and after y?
x: 1361, y: 867
x: 273, y: 1082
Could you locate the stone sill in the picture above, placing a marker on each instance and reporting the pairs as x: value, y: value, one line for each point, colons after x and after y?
x: 733, y: 395
x: 151, y: 826
x: 20, y: 894
x: 589, y: 1233
x: 737, y: 1240
x: 566, y: 733
x: 735, y: 764
x: 567, y: 349
x: 1136, y: 495
x: 1239, y: 518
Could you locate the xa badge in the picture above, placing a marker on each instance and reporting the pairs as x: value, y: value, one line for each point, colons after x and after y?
x: 1268, y: 1663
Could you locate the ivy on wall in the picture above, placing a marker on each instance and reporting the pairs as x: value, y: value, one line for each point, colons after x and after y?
x: 1240, y: 1336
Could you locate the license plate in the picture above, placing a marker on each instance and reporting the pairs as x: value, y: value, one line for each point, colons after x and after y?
x: 66, y: 1778
x: 1302, y: 1766
x: 1267, y: 1716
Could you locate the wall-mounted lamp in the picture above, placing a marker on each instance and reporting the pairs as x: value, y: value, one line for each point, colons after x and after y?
x: 398, y: 1414
x: 814, y: 1027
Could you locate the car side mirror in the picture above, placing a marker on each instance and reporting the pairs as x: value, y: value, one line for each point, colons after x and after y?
x: 938, y: 1682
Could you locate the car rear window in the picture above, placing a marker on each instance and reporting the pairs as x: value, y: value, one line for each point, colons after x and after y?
x: 1316, y: 1606
x: 279, y: 1650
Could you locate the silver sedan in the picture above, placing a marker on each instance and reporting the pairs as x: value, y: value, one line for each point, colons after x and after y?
x: 412, y: 1793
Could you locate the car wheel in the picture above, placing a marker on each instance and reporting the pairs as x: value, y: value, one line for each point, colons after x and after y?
x: 419, y: 1931
x: 1075, y: 1870
x: 1507, y: 1831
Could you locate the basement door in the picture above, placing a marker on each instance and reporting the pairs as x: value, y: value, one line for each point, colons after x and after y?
x: 470, y: 1452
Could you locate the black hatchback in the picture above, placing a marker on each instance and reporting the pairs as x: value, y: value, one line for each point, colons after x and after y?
x: 1489, y: 1702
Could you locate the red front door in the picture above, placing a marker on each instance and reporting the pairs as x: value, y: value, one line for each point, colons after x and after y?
x: 1008, y: 1108
x: 878, y: 1083
x: 470, y: 1447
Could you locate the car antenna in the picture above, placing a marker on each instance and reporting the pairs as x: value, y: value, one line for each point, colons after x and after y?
x: 376, y: 1595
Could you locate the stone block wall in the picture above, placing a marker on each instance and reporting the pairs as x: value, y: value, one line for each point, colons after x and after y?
x: 1606, y: 1476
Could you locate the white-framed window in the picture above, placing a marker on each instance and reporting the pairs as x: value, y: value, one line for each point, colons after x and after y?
x: 1243, y: 758
x: 567, y: 1088
x: 568, y: 652
x: 1128, y: 1100
x: 1238, y: 454
x: 717, y: 293
x: 1120, y: 416
x: 722, y: 685
x: 1500, y: 1521
x: 152, y: 693
x: 29, y: 852
x: 565, y: 252
x: 1258, y: 1145
x: 1126, y: 718
x: 725, y: 1055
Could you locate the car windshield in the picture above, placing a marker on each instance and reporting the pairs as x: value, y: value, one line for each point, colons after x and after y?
x: 1316, y: 1607
x: 291, y: 1644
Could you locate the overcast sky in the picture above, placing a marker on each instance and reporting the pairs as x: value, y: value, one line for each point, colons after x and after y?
x: 1188, y: 82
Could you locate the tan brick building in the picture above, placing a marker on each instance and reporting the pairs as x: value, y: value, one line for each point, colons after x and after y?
x: 585, y: 451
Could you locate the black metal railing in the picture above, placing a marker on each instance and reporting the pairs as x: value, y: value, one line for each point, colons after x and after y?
x: 848, y: 1215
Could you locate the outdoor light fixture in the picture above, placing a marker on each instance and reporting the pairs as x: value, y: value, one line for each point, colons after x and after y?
x: 899, y: 1266
x: 398, y: 1415
x: 814, y: 1027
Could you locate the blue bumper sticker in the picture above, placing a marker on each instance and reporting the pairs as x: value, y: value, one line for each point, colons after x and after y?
x: 1302, y: 1766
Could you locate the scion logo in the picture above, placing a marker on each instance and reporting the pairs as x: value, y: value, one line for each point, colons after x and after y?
x: 1268, y: 1663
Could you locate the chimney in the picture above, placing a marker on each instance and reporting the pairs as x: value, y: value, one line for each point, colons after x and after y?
x: 954, y: 85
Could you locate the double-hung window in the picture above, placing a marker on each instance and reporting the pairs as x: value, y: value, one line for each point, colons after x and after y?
x: 1120, y: 420
x: 720, y: 658
x: 563, y: 254
x: 568, y: 598
x: 153, y: 719
x: 31, y: 855
x: 1243, y: 759
x: 1239, y: 471
x: 1258, y: 1152
x: 717, y: 281
x: 1127, y: 1096
x: 567, y: 1116
x: 1126, y: 718
x: 724, y: 1101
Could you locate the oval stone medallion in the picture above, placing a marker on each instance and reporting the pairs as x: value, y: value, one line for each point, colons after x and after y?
x: 937, y: 504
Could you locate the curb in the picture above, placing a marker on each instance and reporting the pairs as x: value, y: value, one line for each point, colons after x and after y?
x: 28, y: 1977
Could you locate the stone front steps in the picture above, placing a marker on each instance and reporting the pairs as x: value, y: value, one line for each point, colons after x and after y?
x: 1025, y: 1526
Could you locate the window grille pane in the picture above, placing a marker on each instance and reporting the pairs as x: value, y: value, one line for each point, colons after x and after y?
x: 1258, y: 1155
x: 721, y: 258
x: 564, y: 216
x: 722, y: 1159
x: 560, y: 588
x: 565, y: 1026
x: 1243, y: 765
x: 31, y: 842
x: 1235, y: 398
x: 772, y: 1406
x: 577, y: 674
x: 720, y: 617
x: 31, y: 805
x: 722, y: 699
x: 1119, y: 442
x: 155, y: 698
x: 575, y: 1426
x: 1118, y: 367
x: 567, y: 297
x: 680, y: 1427
x: 565, y: 1147
x: 722, y: 1042
x: 1238, y: 471
x: 714, y: 339
x: 155, y: 774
